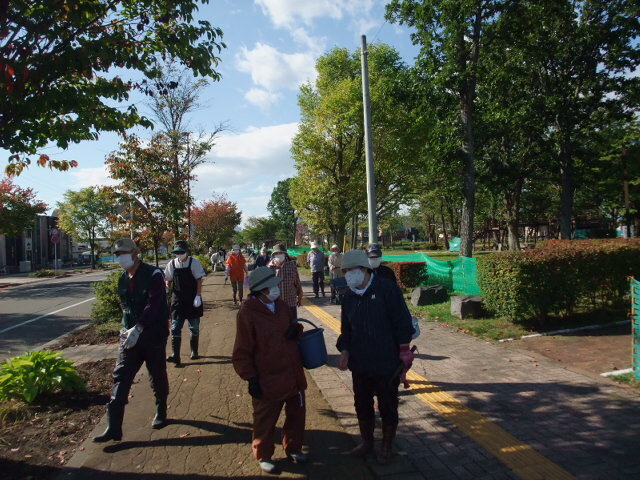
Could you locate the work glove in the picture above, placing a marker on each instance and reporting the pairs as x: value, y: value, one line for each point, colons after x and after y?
x: 254, y: 387
x: 293, y: 331
x: 406, y: 356
x: 132, y: 336
x: 197, y: 301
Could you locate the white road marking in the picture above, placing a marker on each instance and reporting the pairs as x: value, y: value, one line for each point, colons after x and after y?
x: 46, y: 315
x: 617, y: 372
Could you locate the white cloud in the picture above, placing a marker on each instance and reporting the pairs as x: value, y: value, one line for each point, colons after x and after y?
x: 274, y: 70
x: 246, y: 165
x: 262, y: 98
x: 88, y: 177
x: 289, y: 13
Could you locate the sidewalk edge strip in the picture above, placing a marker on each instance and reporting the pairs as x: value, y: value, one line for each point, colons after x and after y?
x: 520, y: 457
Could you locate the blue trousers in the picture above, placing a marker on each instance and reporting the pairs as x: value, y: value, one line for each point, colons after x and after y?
x: 177, y: 323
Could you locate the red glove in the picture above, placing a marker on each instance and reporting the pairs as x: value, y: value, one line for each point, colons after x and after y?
x: 406, y: 356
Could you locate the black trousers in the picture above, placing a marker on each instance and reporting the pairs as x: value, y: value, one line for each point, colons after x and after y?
x: 318, y: 281
x: 129, y: 362
x: 365, y: 387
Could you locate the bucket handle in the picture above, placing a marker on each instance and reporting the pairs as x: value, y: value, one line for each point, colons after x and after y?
x: 306, y: 321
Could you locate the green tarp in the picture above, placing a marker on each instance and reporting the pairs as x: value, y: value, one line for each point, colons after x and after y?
x: 635, y: 322
x: 459, y: 275
x: 454, y: 244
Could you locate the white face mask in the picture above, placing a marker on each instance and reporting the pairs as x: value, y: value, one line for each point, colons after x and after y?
x: 274, y: 293
x: 181, y: 256
x: 278, y: 258
x: 375, y: 262
x: 125, y: 260
x: 354, y: 278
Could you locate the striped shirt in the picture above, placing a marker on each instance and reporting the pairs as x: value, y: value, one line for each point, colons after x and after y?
x: 290, y: 284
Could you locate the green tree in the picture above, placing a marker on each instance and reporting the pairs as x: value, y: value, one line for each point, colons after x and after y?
x: 57, y: 66
x: 215, y: 221
x: 451, y: 34
x: 282, y: 211
x: 580, y: 54
x: 149, y: 205
x: 329, y: 189
x: 173, y: 96
x: 84, y: 215
x: 18, y: 208
x: 259, y: 229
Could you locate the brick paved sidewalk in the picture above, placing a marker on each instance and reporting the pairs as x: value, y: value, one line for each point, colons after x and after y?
x: 545, y: 421
x: 210, y: 430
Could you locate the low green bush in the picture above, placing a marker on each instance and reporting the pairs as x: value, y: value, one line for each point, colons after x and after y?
x: 301, y: 261
x: 206, y: 263
x: 27, y: 376
x: 106, y: 308
x: 558, y: 277
x: 409, y: 274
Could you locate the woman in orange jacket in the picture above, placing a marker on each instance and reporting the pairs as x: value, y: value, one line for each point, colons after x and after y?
x: 236, y: 268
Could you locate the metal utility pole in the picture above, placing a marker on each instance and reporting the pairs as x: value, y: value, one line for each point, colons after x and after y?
x: 368, y: 146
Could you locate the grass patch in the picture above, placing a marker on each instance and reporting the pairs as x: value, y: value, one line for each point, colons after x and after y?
x: 491, y: 327
x: 627, y: 378
x: 43, y: 274
x: 12, y: 411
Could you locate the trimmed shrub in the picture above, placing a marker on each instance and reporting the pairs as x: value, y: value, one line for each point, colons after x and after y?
x: 558, y: 277
x: 409, y: 274
x: 301, y: 260
x: 106, y: 309
x: 206, y: 263
x: 27, y: 376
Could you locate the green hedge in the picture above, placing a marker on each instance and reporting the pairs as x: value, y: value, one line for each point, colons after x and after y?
x: 558, y: 277
x: 106, y: 309
x: 409, y: 274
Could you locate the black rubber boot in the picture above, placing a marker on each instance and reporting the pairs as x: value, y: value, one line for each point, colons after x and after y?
x: 386, y: 450
x: 160, y: 420
x: 175, y: 346
x: 366, y: 432
x: 194, y: 347
x: 115, y: 414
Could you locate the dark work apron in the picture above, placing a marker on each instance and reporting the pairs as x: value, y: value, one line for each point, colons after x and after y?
x: 185, y: 287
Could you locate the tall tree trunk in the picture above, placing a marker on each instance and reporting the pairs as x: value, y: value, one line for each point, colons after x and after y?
x: 567, y: 187
x: 444, y: 224
x: 468, y: 183
x: 92, y: 243
x: 512, y: 213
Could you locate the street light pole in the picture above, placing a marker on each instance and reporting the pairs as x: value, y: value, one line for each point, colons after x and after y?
x: 371, y: 185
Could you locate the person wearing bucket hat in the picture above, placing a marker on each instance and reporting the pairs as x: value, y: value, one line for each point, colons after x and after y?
x: 316, y: 261
x: 266, y: 355
x: 143, y: 338
x: 335, y: 268
x: 376, y: 329
x: 286, y: 269
x: 374, y: 252
x: 183, y: 276
x: 236, y: 269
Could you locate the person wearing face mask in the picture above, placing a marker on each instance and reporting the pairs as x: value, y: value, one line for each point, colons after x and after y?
x: 236, y: 269
x: 143, y: 338
x: 315, y: 258
x: 266, y: 355
x: 335, y: 270
x: 184, y: 276
x: 287, y: 271
x: 375, y: 258
x: 263, y: 259
x: 376, y: 329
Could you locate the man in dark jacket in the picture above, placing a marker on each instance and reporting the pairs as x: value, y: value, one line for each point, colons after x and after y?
x: 374, y: 252
x: 143, y: 338
x: 376, y: 329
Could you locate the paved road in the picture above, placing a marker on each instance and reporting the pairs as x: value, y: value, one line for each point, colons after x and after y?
x: 31, y: 315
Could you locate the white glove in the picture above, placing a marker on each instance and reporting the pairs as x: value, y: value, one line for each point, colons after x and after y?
x: 132, y: 336
x: 197, y: 301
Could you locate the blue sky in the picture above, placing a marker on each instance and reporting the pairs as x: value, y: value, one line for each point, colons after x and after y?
x: 271, y: 50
